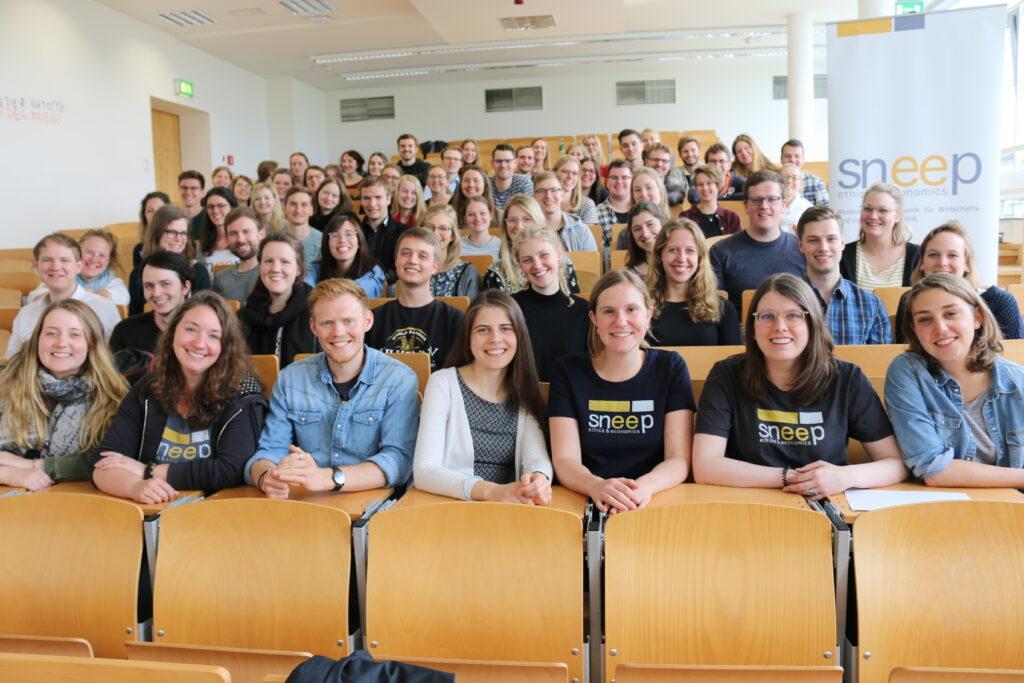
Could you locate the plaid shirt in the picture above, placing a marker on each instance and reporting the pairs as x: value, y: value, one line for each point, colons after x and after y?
x: 815, y: 190
x: 606, y: 217
x: 855, y: 316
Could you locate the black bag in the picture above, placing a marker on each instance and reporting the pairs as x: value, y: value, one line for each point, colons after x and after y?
x: 360, y: 668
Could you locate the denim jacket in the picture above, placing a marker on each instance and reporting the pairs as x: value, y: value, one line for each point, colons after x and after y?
x: 927, y: 415
x: 378, y: 423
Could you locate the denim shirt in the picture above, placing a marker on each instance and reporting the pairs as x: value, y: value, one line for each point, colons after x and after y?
x: 927, y: 414
x: 377, y: 424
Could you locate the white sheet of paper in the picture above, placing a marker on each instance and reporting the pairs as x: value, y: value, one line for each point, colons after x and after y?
x: 872, y: 499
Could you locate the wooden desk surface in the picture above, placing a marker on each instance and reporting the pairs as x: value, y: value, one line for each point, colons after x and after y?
x: 561, y: 499
x: 707, y: 493
x: 354, y: 502
x: 1003, y: 495
x: 88, y: 487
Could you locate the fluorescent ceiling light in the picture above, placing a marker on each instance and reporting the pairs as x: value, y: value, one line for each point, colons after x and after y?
x: 187, y: 18
x: 246, y: 12
x: 610, y: 39
x: 308, y: 8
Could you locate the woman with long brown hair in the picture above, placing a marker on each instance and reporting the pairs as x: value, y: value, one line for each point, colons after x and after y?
x: 480, y: 436
x: 58, y: 394
x: 193, y: 422
x: 780, y: 415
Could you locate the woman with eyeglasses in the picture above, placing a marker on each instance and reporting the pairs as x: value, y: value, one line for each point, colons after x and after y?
x: 793, y: 202
x: 883, y: 255
x: 343, y: 253
x: 168, y: 231
x: 454, y: 276
x: 780, y: 415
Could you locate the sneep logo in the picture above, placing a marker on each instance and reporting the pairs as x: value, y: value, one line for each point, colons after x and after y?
x: 789, y: 428
x: 933, y: 170
x: 610, y: 417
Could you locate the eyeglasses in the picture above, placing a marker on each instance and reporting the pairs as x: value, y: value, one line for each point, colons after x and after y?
x: 546, y: 190
x: 342, y: 235
x: 792, y: 318
x: 437, y: 228
x: 176, y: 234
x: 502, y: 161
x: 619, y: 178
x: 874, y: 209
x: 658, y: 160
x: 771, y: 200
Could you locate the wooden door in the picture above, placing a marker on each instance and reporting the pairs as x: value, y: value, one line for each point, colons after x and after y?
x: 166, y: 152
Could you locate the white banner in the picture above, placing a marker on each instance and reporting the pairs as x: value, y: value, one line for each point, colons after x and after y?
x: 914, y: 101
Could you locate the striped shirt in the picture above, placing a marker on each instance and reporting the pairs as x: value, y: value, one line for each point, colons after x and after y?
x: 870, y: 280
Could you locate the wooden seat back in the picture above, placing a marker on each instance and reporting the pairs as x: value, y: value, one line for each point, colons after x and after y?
x: 490, y: 582
x: 245, y: 666
x: 712, y: 595
x: 48, y: 669
x: 495, y: 671
x: 481, y: 262
x: 254, y: 573
x: 23, y: 282
x: 267, y: 367
x: 938, y: 585
x: 70, y: 568
x: 920, y: 674
x: 640, y: 673
x: 890, y: 297
x: 872, y: 359
x: 46, y: 645
x: 700, y: 359
x: 16, y: 266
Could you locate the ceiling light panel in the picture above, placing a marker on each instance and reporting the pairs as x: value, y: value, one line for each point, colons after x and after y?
x: 308, y: 8
x: 246, y: 12
x: 187, y: 18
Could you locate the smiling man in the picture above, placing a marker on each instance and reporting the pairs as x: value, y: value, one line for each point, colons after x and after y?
x: 407, y: 161
x: 244, y: 235
x: 58, y: 261
x: 379, y: 228
x: 416, y: 321
x: 342, y: 420
x: 167, y: 281
x: 743, y: 260
x: 854, y: 315
x: 298, y: 207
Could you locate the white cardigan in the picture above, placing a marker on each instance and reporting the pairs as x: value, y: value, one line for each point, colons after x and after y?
x: 443, y: 463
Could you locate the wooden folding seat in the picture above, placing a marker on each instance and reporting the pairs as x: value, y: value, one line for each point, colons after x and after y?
x: 46, y: 645
x: 476, y: 581
x: 890, y: 297
x: 7, y: 316
x: 872, y: 359
x: 618, y: 258
x: 481, y: 262
x: 738, y: 584
x: 244, y: 665
x: 49, y: 668
x: 938, y: 675
x: 70, y: 568
x: 638, y: 673
x: 495, y: 671
x: 939, y: 585
x: 700, y: 359
x: 254, y: 574
x: 23, y: 282
x: 267, y: 367
x: 16, y: 266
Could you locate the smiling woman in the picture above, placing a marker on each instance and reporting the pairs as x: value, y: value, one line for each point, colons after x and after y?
x: 194, y: 420
x: 480, y: 435
x: 621, y: 420
x: 780, y: 415
x: 275, y: 317
x: 66, y: 367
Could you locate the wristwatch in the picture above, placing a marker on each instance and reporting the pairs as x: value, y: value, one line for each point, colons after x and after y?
x: 338, y: 475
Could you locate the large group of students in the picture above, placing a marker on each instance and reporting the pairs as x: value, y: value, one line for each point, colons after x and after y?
x: 284, y: 264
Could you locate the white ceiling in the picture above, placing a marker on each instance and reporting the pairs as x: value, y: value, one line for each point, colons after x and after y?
x: 275, y: 43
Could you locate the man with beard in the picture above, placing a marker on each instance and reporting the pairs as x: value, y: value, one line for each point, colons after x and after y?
x: 244, y: 235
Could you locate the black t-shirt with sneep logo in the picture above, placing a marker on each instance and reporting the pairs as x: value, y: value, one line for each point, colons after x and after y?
x: 777, y: 432
x: 621, y: 424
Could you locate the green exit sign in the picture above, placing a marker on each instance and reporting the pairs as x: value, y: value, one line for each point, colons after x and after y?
x: 904, y: 7
x: 183, y: 88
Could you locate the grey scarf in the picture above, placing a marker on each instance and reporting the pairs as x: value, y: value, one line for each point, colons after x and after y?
x: 71, y: 399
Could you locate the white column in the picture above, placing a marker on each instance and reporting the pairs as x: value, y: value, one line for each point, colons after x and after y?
x: 800, y: 76
x: 870, y: 9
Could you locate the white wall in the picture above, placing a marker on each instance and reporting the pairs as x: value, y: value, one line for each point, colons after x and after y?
x: 296, y: 120
x: 733, y: 97
x: 95, y: 163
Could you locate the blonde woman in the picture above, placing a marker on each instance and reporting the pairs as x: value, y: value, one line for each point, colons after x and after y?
x: 688, y: 310
x: 596, y: 152
x: 407, y: 205
x: 748, y: 157
x: 647, y: 186
x: 883, y: 255
x: 557, y: 319
x: 567, y: 169
x: 268, y: 207
x: 454, y: 277
x: 522, y: 211
x: 58, y: 395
